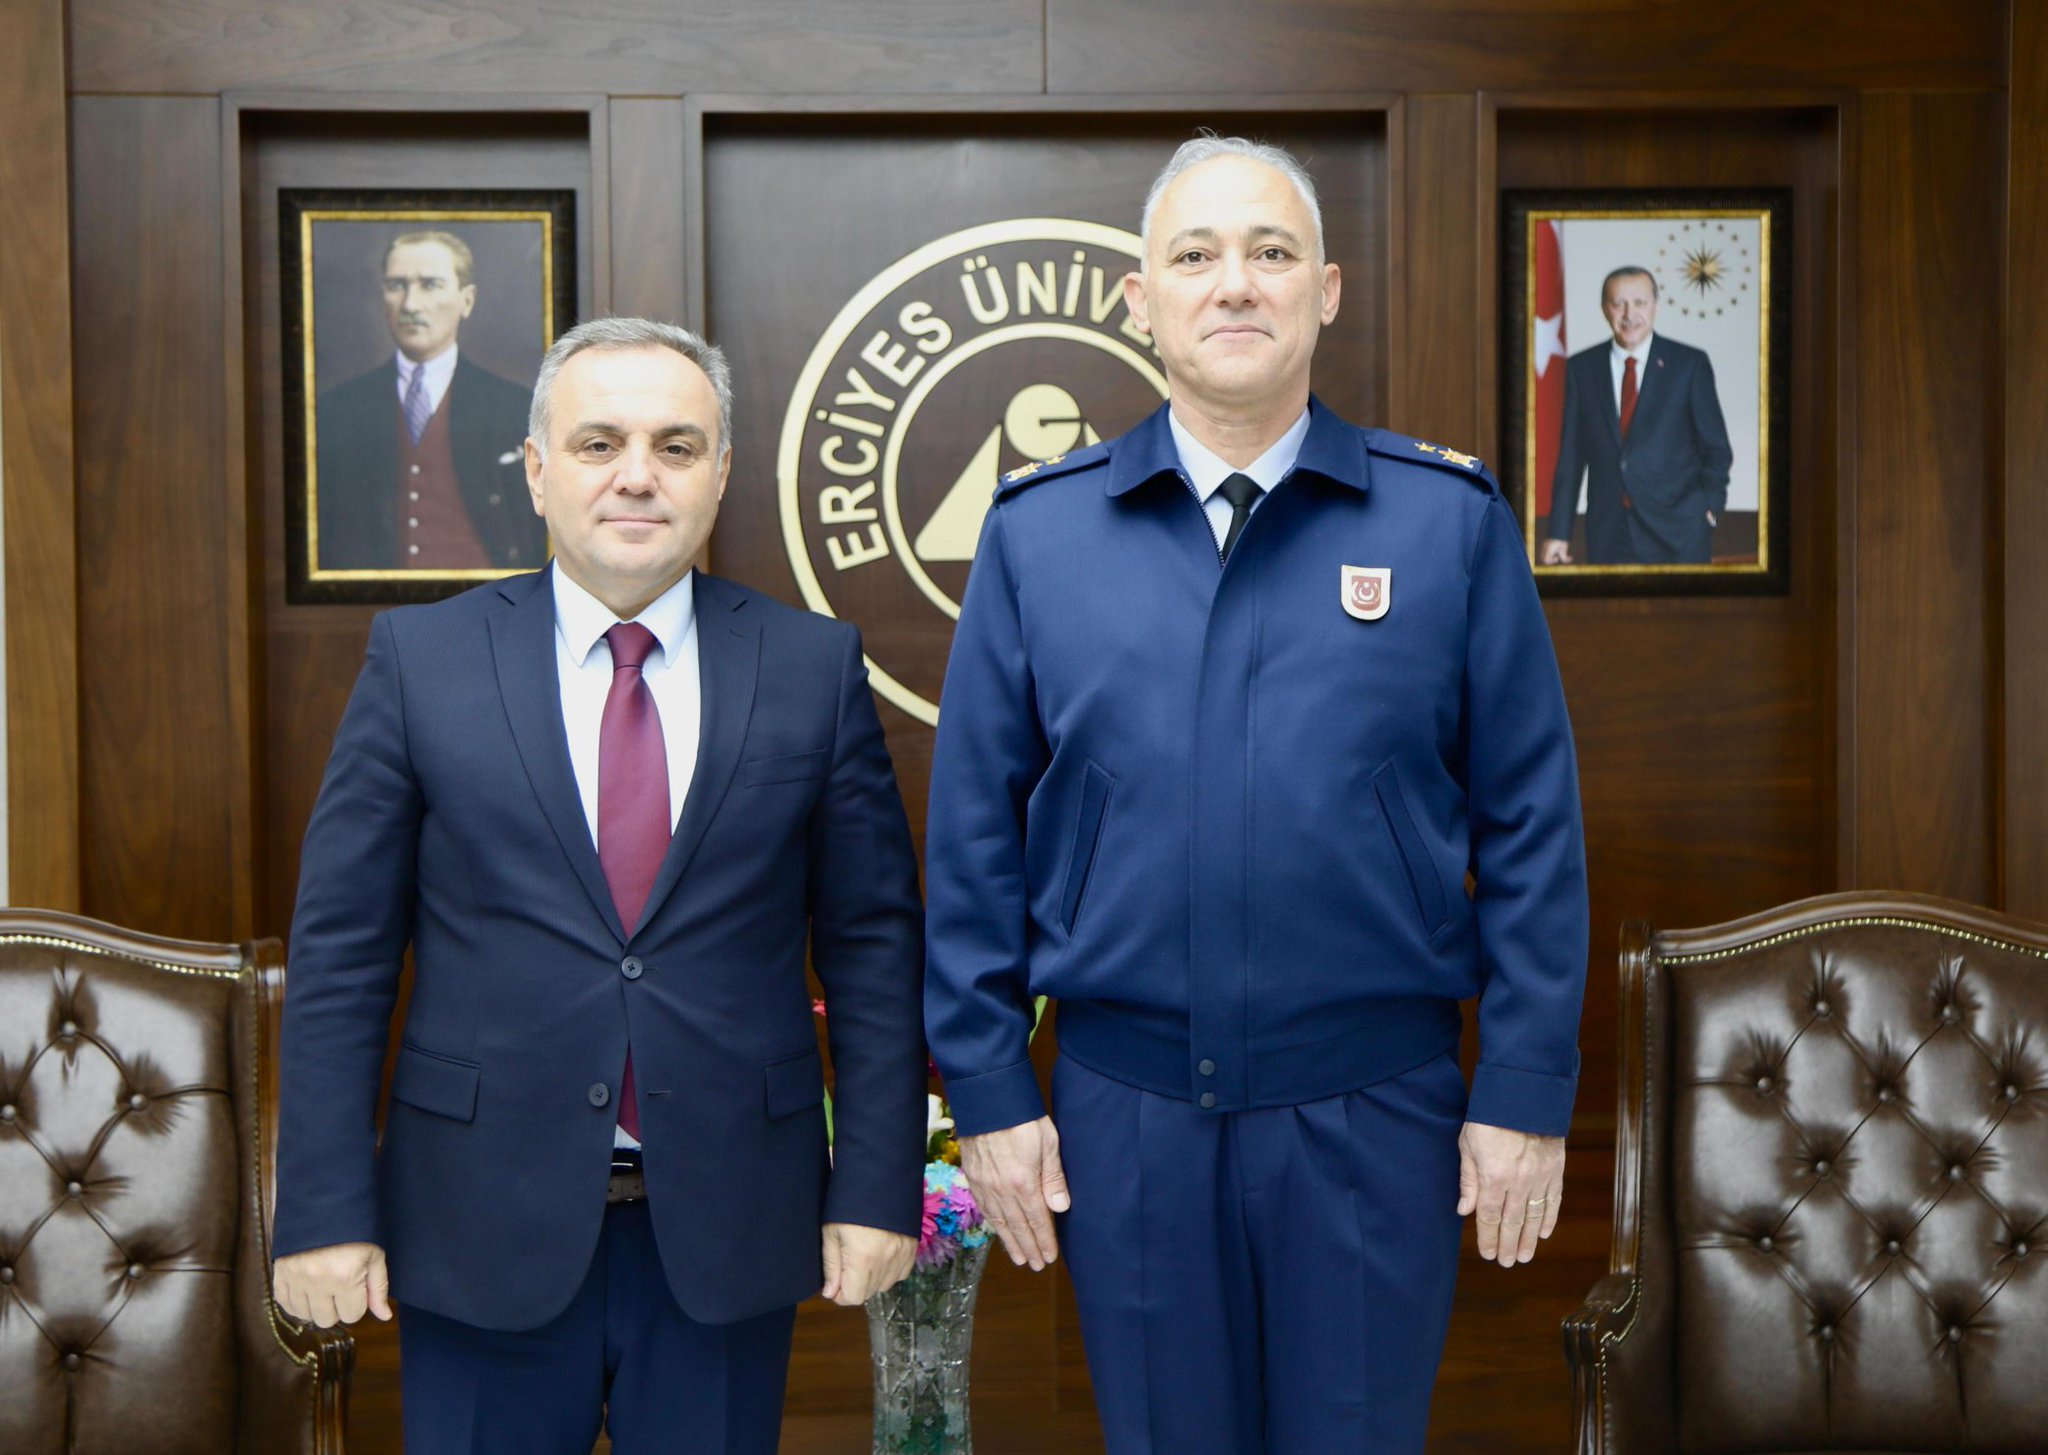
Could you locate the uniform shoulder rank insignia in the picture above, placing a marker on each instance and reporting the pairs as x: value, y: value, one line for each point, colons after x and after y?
x: 1024, y: 472
x: 1466, y: 461
x: 1049, y: 469
x: 1422, y: 452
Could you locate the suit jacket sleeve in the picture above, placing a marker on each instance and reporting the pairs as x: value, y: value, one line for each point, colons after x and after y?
x: 349, y: 933
x: 989, y: 755
x: 1571, y: 463
x: 1717, y: 456
x: 867, y: 946
x: 1528, y: 845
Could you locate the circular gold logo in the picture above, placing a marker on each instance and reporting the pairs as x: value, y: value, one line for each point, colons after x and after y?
x: 980, y: 352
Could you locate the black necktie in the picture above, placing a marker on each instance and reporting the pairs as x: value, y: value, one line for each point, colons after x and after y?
x: 1240, y: 491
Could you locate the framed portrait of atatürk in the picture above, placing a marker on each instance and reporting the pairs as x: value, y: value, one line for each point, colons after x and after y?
x: 413, y: 324
x: 1646, y: 398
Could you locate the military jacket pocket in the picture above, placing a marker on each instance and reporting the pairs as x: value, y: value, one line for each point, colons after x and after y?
x: 1432, y: 905
x: 1095, y: 789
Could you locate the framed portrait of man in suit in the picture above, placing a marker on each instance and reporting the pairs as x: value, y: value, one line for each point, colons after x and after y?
x: 413, y: 326
x: 1645, y: 438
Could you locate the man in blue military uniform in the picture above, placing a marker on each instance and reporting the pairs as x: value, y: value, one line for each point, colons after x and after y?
x: 1234, y: 704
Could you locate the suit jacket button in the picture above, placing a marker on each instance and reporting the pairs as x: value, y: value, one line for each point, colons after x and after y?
x: 1208, y: 1100
x: 1207, y: 1068
x: 600, y: 1094
x: 630, y: 967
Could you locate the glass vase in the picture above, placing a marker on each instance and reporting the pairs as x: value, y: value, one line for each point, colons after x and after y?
x: 919, y: 1333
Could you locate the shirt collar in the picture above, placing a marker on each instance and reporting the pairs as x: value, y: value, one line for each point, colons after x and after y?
x: 583, y: 620
x: 1207, y: 470
x: 440, y: 369
x: 1640, y: 353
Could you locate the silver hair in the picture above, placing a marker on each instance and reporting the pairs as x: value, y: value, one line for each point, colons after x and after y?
x: 631, y: 333
x: 1207, y: 147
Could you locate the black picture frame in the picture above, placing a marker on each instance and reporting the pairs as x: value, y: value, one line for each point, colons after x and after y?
x: 337, y: 344
x: 1720, y: 263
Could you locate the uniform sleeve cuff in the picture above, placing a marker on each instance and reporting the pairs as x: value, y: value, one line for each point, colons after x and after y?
x: 1522, y: 1101
x: 995, y: 1100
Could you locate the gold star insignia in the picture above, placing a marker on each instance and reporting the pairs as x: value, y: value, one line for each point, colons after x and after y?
x: 1466, y: 461
x: 1023, y: 470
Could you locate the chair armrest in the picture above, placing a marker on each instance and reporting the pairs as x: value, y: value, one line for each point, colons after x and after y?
x: 295, y: 1387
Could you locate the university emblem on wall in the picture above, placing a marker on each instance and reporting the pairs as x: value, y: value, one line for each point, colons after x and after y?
x: 986, y: 351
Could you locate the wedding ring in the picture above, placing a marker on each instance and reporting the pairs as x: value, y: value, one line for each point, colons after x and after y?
x: 1538, y: 1201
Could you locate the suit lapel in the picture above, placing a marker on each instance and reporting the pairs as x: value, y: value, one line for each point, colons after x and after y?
x: 523, y: 650
x: 728, y: 662
x: 1601, y: 370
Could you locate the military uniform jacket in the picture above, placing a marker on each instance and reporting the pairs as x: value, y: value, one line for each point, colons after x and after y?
x: 1226, y: 821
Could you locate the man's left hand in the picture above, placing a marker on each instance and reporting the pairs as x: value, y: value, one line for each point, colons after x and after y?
x: 861, y: 1262
x: 1511, y: 1182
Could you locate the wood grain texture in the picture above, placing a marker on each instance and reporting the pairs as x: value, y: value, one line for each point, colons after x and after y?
x: 649, y: 276
x: 1929, y: 372
x: 620, y: 47
x: 1436, y: 342
x: 41, y: 686
x: 2024, y: 737
x: 1323, y: 45
x: 152, y: 516
x: 1702, y: 724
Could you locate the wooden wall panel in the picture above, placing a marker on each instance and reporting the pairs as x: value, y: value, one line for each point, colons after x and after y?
x: 648, y: 241
x: 1920, y: 602
x: 1703, y: 724
x: 310, y: 655
x: 610, y: 46
x: 2024, y: 729
x: 41, y: 683
x: 154, y: 618
x: 1112, y: 46
x: 1435, y: 341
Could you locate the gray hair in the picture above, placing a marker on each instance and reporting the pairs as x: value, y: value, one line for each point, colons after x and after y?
x: 1207, y: 146
x: 631, y: 333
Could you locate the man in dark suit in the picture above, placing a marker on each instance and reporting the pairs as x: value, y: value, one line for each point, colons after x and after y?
x: 1643, y: 425
x: 609, y: 806
x: 418, y: 464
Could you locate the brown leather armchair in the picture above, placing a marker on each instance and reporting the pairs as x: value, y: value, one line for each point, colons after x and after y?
x: 1831, y: 1188
x: 136, y: 1139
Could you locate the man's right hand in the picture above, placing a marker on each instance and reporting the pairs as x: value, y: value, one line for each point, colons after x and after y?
x: 333, y: 1285
x: 1557, y: 553
x: 1015, y: 1175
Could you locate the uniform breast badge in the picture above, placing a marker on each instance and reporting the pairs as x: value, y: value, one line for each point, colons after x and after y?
x: 1366, y: 591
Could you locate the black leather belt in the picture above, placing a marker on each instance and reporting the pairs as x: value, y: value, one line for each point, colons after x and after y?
x: 629, y: 1183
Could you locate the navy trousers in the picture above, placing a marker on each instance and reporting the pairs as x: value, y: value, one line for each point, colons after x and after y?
x: 1273, y: 1282
x: 623, y: 1357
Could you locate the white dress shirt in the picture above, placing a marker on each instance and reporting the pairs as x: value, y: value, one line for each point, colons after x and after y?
x: 439, y: 370
x: 1206, y: 470
x: 583, y: 665
x: 583, y: 662
x: 1616, y: 357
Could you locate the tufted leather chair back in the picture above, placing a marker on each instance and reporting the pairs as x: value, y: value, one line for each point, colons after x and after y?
x: 135, y: 1155
x: 1831, y: 1228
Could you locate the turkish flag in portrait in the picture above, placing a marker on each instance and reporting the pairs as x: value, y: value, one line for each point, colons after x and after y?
x: 1546, y: 358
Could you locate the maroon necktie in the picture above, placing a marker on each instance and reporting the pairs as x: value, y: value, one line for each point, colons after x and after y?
x: 632, y: 801
x: 1628, y: 395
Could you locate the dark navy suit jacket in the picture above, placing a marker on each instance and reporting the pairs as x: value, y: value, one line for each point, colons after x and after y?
x: 449, y: 820
x: 358, y: 468
x: 1674, y: 467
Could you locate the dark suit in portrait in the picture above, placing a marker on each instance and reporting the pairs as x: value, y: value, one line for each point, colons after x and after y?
x: 459, y: 495
x: 1647, y: 496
